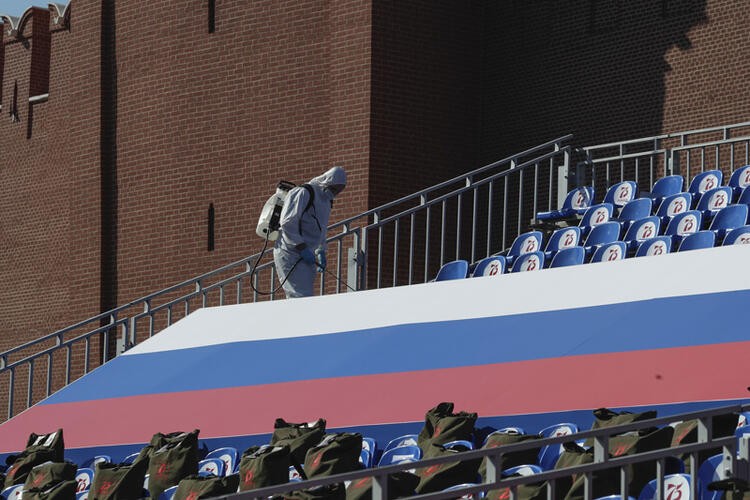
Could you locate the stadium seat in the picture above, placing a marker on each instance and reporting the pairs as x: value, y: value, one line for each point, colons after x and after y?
x: 743, y: 419
x: 91, y: 464
x: 568, y: 257
x: 697, y: 241
x: 709, y: 471
x: 369, y: 444
x: 703, y: 182
x: 522, y: 470
x: 82, y: 495
x: 294, y: 475
x: 635, y: 210
x: 533, y: 261
x: 523, y: 244
x: 729, y: 218
x: 130, y: 458
x: 12, y: 492
x: 594, y: 216
x: 168, y: 494
x: 229, y: 456
x: 744, y: 198
x: 493, y: 265
x: 454, y: 270
x: 84, y: 478
x: 608, y: 252
x: 675, y: 486
x: 211, y: 467
x: 601, y: 234
x: 565, y: 237
x: 620, y: 194
x: 714, y: 200
x: 664, y: 187
x: 405, y: 440
x: 459, y: 445
x: 672, y: 206
x: 738, y: 236
x: 548, y: 455
x: 576, y: 202
x: 739, y: 180
x: 682, y: 225
x: 655, y: 246
x: 641, y: 230
x: 400, y: 454
x: 470, y: 496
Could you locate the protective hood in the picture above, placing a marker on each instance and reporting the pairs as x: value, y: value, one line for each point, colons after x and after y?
x: 334, y: 176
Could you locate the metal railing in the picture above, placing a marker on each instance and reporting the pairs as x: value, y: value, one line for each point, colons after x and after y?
x: 380, y: 247
x: 736, y: 459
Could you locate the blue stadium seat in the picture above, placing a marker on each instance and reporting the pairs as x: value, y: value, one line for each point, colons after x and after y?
x: 294, y: 475
x: 82, y: 495
x: 12, y: 492
x: 714, y: 200
x: 168, y: 494
x: 664, y: 187
x: 470, y: 496
x: 576, y: 202
x: 91, y: 464
x: 493, y: 265
x: 672, y: 206
x: 568, y: 257
x: 522, y: 470
x: 229, y: 455
x: 641, y: 230
x: 405, y: 440
x: 675, y: 486
x: 84, y: 478
x: 212, y: 467
x: 454, y: 270
x: 621, y: 194
x: 655, y: 246
x: 523, y: 244
x: 400, y: 454
x: 601, y: 234
x: 548, y: 455
x: 743, y: 419
x: 703, y: 182
x: 709, y: 471
x: 739, y: 180
x: 608, y: 252
x: 130, y: 458
x: 533, y: 261
x: 565, y: 237
x: 633, y: 211
x: 697, y: 241
x: 459, y: 445
x: 738, y: 236
x: 683, y: 224
x: 369, y: 447
x: 594, y: 216
x: 744, y: 198
x: 729, y: 218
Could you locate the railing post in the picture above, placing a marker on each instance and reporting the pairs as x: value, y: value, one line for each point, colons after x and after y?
x: 380, y: 487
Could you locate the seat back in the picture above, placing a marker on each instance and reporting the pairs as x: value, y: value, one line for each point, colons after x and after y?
x: 493, y: 265
x: 405, y: 440
x: 578, y: 199
x: 526, y: 243
x: 400, y: 454
x: 168, y: 494
x: 705, y: 181
x: 621, y: 193
x: 565, y: 237
x: 744, y: 198
x: 696, y: 241
x: 675, y: 486
x: 12, y: 492
x: 367, y: 455
x: 709, y: 471
x: 459, y: 445
x: 715, y: 199
x: 568, y: 257
x: 533, y: 261
x: 667, y: 186
x: 739, y: 180
x: 609, y: 252
x: 655, y: 246
x: 731, y: 217
x: 549, y: 454
x: 643, y: 229
x: 603, y: 233
x: 457, y: 269
x: 596, y: 215
x: 211, y: 467
x: 229, y: 455
x: 738, y: 236
x: 685, y: 223
x: 674, y: 205
x: 636, y: 209
x: 84, y: 478
x: 522, y: 470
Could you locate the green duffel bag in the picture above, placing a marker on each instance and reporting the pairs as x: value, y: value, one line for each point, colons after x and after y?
x: 439, y: 477
x: 40, y: 448
x: 176, y: 459
x: 65, y: 490
x: 196, y: 487
x: 262, y: 466
x: 400, y: 484
x: 44, y: 476
x: 335, y: 454
x: 515, y: 458
x: 118, y: 481
x: 299, y: 438
x: 441, y: 426
x: 604, y: 417
x: 687, y: 432
x: 329, y: 492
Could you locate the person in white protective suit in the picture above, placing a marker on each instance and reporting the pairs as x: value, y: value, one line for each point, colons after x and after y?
x: 300, y: 249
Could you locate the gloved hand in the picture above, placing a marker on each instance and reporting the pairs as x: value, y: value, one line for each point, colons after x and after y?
x: 321, y: 259
x: 307, y: 255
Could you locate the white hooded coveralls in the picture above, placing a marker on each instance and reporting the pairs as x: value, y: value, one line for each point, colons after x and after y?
x: 302, y: 228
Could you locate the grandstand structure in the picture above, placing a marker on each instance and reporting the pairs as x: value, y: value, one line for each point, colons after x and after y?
x: 403, y: 319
